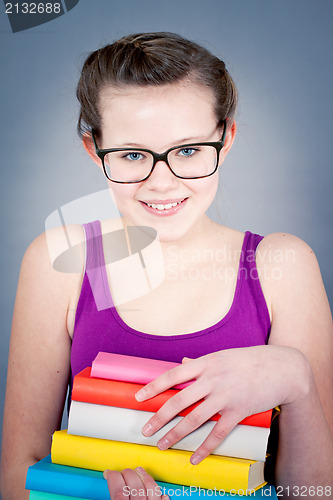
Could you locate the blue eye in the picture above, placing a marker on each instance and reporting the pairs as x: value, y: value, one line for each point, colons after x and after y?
x: 187, y: 152
x: 133, y: 156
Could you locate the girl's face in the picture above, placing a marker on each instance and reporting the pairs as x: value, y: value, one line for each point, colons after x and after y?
x: 157, y: 118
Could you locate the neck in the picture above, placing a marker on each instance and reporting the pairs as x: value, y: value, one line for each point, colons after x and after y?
x: 196, y: 240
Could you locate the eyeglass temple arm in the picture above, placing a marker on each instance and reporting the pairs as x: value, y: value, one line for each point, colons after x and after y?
x: 224, y: 131
x: 94, y: 141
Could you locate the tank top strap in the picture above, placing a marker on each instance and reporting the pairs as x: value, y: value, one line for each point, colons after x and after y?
x: 248, y: 253
x: 250, y: 278
x: 95, y: 269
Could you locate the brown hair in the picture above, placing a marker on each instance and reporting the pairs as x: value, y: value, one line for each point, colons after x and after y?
x: 151, y: 59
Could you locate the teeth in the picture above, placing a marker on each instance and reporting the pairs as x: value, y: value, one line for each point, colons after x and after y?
x: 163, y: 207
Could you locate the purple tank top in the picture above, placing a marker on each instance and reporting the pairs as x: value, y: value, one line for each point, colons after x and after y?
x: 247, y: 322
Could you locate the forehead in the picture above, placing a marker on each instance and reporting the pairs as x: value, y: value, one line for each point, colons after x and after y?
x: 160, y: 114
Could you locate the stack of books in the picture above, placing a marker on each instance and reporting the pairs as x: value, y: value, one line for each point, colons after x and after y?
x: 104, y: 432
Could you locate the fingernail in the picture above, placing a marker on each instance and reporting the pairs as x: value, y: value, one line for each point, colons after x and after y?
x: 140, y: 470
x: 105, y: 473
x: 195, y: 459
x: 140, y: 395
x: 163, y: 444
x: 147, y: 430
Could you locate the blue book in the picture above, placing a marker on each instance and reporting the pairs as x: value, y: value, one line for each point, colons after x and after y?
x: 48, y: 481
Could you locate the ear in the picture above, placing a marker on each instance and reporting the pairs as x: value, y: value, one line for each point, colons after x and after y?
x: 229, y: 140
x: 230, y: 137
x: 90, y: 148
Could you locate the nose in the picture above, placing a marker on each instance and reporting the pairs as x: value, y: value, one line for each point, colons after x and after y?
x: 161, y: 178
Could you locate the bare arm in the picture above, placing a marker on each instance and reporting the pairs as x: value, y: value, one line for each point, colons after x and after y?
x: 38, y: 367
x: 302, y: 319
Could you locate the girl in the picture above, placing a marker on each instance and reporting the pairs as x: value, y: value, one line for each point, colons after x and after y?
x: 157, y: 116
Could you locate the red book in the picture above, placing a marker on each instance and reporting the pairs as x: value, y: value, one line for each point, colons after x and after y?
x: 122, y: 394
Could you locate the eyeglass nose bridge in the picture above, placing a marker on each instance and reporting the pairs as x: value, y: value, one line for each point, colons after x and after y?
x: 160, y: 157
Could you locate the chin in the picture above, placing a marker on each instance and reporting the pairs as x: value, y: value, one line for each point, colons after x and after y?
x: 168, y: 230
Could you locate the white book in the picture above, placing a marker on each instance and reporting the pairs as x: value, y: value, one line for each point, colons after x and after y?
x: 124, y: 424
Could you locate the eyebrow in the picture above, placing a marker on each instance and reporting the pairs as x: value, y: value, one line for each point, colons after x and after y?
x: 185, y: 140
x: 182, y: 141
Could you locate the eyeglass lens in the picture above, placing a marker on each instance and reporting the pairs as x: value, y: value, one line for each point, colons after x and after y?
x: 136, y: 165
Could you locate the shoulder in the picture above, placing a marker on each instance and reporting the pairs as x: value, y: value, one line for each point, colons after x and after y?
x: 290, y: 276
x: 284, y: 241
x: 54, y: 260
x: 284, y: 258
x: 285, y: 250
x: 47, y: 247
x: 293, y: 286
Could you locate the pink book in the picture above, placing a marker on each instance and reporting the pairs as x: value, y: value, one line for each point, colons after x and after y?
x: 131, y: 368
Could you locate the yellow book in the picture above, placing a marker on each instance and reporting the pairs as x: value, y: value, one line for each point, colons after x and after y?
x: 172, y: 466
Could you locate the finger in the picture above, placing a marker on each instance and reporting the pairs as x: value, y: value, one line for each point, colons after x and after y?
x: 195, y: 419
x: 181, y: 400
x: 220, y: 431
x: 175, y: 376
x: 135, y: 486
x: 153, y: 491
x: 116, y: 485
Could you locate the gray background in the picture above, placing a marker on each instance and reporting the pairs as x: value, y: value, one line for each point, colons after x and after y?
x: 278, y: 176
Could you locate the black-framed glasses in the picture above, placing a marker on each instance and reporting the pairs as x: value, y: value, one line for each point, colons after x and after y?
x: 186, y: 161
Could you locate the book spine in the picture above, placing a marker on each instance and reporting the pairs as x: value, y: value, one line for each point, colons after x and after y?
x: 89, y: 492
x: 131, y: 368
x: 122, y: 394
x: 123, y: 424
x: 175, y: 492
x: 62, y: 480
x: 172, y: 466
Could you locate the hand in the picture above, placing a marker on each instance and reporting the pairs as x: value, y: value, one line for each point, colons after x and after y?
x: 132, y: 484
x: 235, y: 383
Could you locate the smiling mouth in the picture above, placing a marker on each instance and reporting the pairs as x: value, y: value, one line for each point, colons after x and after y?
x: 161, y: 206
x: 164, y: 207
